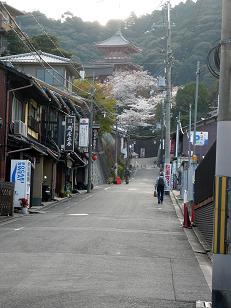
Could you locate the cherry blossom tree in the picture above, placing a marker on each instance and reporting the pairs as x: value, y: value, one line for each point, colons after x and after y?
x: 135, y: 94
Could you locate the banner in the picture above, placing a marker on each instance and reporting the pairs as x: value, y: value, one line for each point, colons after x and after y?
x: 167, y: 174
x: 84, y: 133
x: 20, y: 175
x: 69, y: 133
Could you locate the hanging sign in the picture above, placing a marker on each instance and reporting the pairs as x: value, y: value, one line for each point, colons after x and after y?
x: 84, y: 133
x: 69, y: 133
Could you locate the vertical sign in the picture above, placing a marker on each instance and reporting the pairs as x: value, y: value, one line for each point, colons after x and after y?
x: 94, y: 140
x: 84, y: 133
x: 142, y: 152
x: 69, y: 133
x: 167, y: 174
x: 20, y: 175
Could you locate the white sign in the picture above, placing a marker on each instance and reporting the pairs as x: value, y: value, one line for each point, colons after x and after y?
x: 20, y: 175
x: 84, y: 133
x: 202, y: 138
x: 167, y: 175
x: 142, y: 152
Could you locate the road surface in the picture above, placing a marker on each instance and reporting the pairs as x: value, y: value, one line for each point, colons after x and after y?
x: 115, y: 247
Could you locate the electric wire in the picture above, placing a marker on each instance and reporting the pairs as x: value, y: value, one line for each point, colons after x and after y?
x: 26, y: 41
x: 213, y: 61
x: 57, y: 47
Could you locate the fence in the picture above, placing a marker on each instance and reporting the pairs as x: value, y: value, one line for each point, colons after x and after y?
x: 6, y: 199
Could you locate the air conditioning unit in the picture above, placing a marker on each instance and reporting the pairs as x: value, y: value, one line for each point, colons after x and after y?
x: 20, y: 128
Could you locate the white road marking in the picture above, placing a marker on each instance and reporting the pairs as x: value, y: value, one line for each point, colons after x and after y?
x: 18, y: 229
x: 132, y: 189
x: 107, y: 188
x: 78, y: 214
x: 118, y: 253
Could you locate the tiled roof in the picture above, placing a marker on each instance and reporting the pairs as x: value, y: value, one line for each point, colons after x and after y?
x: 33, y: 57
x: 116, y: 40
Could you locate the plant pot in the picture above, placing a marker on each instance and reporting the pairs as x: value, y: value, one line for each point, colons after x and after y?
x: 25, y: 211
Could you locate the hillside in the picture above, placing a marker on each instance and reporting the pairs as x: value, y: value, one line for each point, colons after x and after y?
x: 196, y: 28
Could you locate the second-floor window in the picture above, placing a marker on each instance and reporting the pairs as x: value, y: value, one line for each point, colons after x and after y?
x: 50, y: 76
x: 33, y: 117
x: 17, y: 110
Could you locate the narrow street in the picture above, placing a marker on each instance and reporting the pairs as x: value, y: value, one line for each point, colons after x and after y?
x: 113, y: 248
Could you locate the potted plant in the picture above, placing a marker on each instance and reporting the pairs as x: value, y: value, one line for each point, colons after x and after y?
x: 25, y: 205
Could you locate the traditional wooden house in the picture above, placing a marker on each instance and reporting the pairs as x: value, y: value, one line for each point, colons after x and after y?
x: 33, y: 120
x: 117, y: 52
x: 53, y: 70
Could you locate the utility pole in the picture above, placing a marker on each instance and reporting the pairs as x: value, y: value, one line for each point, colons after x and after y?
x: 116, y: 145
x: 189, y: 140
x: 177, y: 136
x: 91, y: 111
x: 221, y: 285
x: 196, y: 103
x: 169, y: 85
x: 162, y: 135
x: 128, y: 150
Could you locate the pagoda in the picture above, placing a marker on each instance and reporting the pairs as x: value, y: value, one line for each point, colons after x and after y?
x: 117, y: 52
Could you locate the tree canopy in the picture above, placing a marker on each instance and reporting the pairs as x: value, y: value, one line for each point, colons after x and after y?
x: 195, y: 29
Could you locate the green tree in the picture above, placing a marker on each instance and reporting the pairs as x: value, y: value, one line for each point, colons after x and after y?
x: 15, y: 45
x: 50, y: 44
x: 104, y: 103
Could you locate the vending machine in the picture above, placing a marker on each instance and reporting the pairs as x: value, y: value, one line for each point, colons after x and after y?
x: 20, y: 175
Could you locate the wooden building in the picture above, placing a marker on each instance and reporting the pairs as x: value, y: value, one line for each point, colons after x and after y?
x: 117, y: 52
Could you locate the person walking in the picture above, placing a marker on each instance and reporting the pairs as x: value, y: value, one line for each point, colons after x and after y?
x: 160, y: 185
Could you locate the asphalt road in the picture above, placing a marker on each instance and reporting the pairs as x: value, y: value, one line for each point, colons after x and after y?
x: 113, y: 248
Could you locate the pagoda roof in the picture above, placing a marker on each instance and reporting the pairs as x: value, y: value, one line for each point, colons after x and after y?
x: 117, y: 40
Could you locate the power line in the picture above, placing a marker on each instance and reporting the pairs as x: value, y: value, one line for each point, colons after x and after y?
x: 72, y: 63
x: 26, y: 41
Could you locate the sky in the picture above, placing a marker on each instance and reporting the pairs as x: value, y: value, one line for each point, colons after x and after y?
x: 90, y: 10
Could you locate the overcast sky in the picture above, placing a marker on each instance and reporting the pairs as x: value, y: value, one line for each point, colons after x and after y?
x: 90, y: 10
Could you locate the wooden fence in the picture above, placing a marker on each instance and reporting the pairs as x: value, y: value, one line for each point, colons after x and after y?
x: 6, y: 199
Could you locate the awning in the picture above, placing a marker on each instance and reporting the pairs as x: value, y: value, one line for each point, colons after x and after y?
x: 22, y: 144
x: 78, y: 160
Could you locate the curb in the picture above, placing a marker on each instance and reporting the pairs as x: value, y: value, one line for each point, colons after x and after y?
x: 38, y: 210
x: 195, y: 230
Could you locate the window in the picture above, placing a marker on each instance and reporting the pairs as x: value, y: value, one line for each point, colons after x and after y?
x: 33, y: 117
x: 17, y: 110
x: 51, y: 76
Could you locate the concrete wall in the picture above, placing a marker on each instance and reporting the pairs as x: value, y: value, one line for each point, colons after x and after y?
x: 97, y: 173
